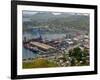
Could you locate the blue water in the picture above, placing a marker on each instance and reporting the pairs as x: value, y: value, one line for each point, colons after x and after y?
x: 28, y: 54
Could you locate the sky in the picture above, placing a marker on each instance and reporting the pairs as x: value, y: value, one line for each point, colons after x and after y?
x: 54, y: 13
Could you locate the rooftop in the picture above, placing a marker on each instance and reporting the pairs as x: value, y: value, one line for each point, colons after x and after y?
x: 41, y: 45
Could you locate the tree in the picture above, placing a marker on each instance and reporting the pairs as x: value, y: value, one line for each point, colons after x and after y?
x: 76, y: 53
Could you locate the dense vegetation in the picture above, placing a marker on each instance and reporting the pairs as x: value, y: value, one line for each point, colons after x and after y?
x: 78, y: 56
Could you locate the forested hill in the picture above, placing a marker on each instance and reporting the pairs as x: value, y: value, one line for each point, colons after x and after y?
x: 50, y: 21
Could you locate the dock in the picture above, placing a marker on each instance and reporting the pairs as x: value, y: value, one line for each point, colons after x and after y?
x: 41, y: 45
x: 37, y: 46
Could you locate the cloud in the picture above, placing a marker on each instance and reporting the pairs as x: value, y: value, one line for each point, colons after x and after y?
x: 85, y: 14
x: 29, y: 12
x: 56, y: 13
